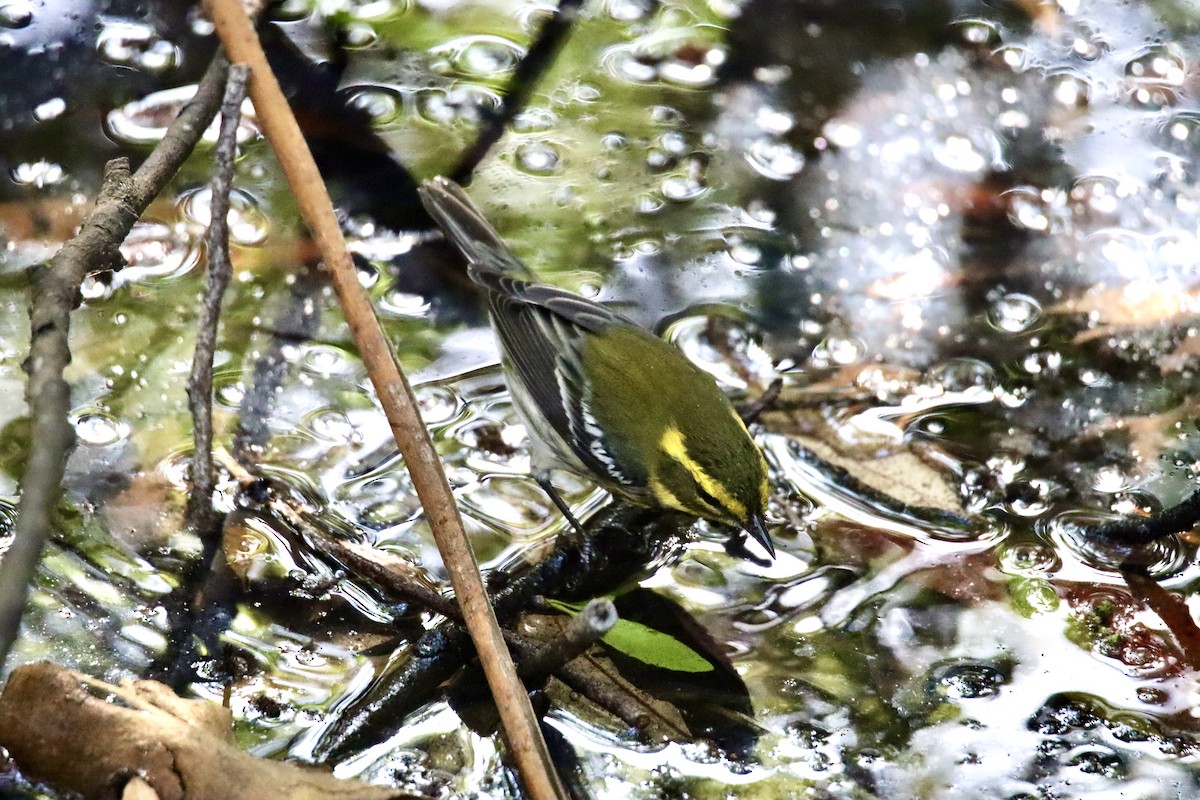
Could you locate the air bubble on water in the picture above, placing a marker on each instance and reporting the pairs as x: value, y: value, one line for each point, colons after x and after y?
x: 464, y: 102
x: 359, y: 36
x: 230, y: 395
x: 1014, y: 313
x: 479, y: 56
x: 157, y: 250
x: 1005, y: 467
x: 614, y: 141
x: 16, y: 15
x: 145, y: 121
x: 325, y: 360
x: 38, y: 174
x: 133, y: 44
x: 248, y: 223
x: 628, y: 10
x: 380, y: 103
x: 1110, y: 479
x: 535, y: 119
x: 682, y: 188
x: 1042, y: 362
x: 979, y: 31
x: 1031, y: 498
x: 438, y: 404
x: 331, y: 425
x: 50, y: 109
x: 838, y: 351
x: 621, y: 63
x: 1029, y: 559
x: 404, y: 304
x: 374, y: 9
x: 538, y: 158
x: 666, y: 116
x: 98, y: 428
x: 1070, y: 90
x: 964, y: 374
x: 692, y: 74
x: 774, y: 159
x: 742, y: 252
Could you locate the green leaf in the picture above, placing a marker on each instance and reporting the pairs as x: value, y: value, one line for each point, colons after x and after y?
x: 645, y: 644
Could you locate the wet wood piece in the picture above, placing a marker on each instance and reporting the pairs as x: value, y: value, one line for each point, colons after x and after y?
x: 82, y: 735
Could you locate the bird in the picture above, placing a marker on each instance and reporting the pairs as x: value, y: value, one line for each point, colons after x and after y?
x: 603, y: 397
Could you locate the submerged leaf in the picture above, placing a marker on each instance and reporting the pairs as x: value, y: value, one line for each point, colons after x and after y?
x: 646, y: 644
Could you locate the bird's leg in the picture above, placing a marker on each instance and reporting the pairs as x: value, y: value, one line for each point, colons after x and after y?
x: 543, y: 480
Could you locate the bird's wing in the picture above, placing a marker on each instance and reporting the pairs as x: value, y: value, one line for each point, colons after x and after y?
x: 542, y: 332
x: 541, y: 328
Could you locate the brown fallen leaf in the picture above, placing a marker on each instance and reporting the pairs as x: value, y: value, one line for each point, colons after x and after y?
x: 901, y: 472
x: 1135, y: 305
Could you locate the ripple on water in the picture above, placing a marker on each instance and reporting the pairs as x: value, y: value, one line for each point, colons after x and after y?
x: 488, y: 57
x: 248, y: 222
x: 134, y: 44
x: 1091, y: 559
x: 145, y: 121
x: 98, y: 428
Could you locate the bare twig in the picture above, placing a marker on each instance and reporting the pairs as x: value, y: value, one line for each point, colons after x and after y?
x: 201, y: 516
x: 1135, y: 531
x: 541, y: 54
x: 123, y: 198
x: 750, y: 411
x: 187, y: 615
x: 440, y: 652
x: 524, y: 737
x: 1171, y: 609
x: 583, y: 630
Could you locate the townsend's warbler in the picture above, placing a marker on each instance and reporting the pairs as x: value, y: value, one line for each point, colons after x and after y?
x: 604, y: 398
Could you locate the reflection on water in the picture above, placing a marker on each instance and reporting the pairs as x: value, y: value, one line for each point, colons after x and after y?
x: 963, y: 236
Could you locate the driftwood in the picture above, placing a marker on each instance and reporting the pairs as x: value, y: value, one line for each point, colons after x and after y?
x: 59, y: 729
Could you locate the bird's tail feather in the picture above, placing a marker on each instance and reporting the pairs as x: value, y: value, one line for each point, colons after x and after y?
x: 469, y: 230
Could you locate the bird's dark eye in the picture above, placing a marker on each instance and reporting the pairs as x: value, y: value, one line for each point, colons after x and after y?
x: 707, y: 498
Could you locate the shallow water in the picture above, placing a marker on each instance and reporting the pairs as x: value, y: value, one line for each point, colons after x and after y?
x: 962, y: 234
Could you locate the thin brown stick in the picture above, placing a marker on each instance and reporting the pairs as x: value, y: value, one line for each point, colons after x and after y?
x: 519, y: 722
x: 123, y: 197
x: 201, y: 517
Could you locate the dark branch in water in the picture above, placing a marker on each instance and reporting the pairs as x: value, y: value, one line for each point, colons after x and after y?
x: 622, y: 541
x: 123, y: 197
x: 540, y: 57
x: 1138, y: 531
x: 175, y: 666
x: 750, y: 411
x: 1170, y: 608
x: 201, y: 517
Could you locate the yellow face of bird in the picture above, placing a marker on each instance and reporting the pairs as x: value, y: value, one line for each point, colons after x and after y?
x: 718, y: 475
